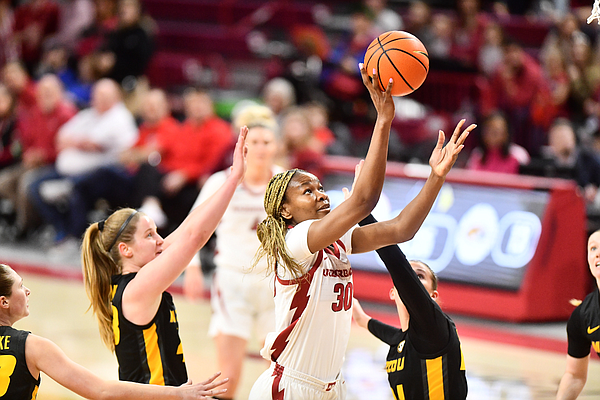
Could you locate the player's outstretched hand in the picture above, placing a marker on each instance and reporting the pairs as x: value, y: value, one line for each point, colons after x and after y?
x: 383, y: 101
x: 443, y: 157
x: 203, y: 390
x: 238, y: 169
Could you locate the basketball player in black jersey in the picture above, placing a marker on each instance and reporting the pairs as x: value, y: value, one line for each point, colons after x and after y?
x: 127, y: 268
x: 24, y: 355
x: 425, y: 359
x: 583, y: 330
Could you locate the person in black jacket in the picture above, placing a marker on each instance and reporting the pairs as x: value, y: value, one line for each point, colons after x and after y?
x: 425, y: 359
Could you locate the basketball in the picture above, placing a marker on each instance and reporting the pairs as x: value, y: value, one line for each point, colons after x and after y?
x: 400, y: 56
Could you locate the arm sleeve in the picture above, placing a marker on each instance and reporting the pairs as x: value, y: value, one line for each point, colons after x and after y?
x: 579, y: 345
x: 383, y: 332
x: 429, y: 327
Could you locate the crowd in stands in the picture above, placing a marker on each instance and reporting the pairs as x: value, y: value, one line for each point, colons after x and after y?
x: 83, y: 128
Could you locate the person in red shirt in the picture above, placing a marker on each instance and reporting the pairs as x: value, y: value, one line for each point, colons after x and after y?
x: 514, y: 88
x: 187, y: 158
x: 36, y: 135
x: 21, y: 86
x: 35, y: 21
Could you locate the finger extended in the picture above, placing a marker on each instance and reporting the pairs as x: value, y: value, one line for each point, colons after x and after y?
x: 465, y: 134
x: 212, y: 378
x: 456, y: 132
x: 388, y: 89
x: 216, y: 383
x: 441, y: 139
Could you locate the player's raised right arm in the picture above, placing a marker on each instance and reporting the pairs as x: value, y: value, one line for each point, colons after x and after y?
x: 370, y: 182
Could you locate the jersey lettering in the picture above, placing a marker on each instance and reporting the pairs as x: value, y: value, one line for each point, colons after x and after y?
x: 115, y: 325
x: 4, y: 342
x: 596, y: 346
x: 173, y: 317
x: 7, y: 367
x: 344, y: 299
x: 394, y: 365
x: 400, y: 390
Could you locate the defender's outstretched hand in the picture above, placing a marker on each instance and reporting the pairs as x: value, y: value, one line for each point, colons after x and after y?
x: 443, y: 157
x: 383, y: 101
x: 238, y: 169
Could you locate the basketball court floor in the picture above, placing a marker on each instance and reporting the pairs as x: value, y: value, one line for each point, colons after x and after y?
x: 504, y: 361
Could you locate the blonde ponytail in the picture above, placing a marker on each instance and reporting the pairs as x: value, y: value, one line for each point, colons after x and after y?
x: 99, y: 265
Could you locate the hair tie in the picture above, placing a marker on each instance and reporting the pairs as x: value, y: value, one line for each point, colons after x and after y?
x: 101, y: 225
x: 121, y: 230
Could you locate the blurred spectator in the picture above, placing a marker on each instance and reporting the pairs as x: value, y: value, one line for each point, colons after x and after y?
x: 124, y: 183
x: 129, y: 47
x: 440, y: 43
x: 93, y: 138
x: 21, y: 86
x: 105, y: 21
x: 37, y: 137
x: 9, y: 148
x: 75, y: 16
x: 496, y: 153
x: 490, y: 54
x: 319, y: 120
x: 556, y: 75
x: 584, y: 76
x: 562, y: 37
x: 77, y: 79
x: 303, y: 150
x: 419, y: 22
x: 468, y: 32
x: 563, y: 158
x: 341, y: 78
x: 385, y: 19
x: 279, y: 94
x: 200, y: 149
x: 35, y: 21
x: 517, y: 86
x: 8, y: 50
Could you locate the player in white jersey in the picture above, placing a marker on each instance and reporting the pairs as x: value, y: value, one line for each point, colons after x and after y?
x: 306, y: 243
x: 241, y: 297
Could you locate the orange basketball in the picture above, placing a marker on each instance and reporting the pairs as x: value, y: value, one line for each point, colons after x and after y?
x: 400, y: 56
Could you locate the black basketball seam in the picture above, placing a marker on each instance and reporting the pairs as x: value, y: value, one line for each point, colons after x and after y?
x: 367, y: 62
x: 412, y: 55
x: 368, y: 48
x: 379, y: 75
x: 393, y: 65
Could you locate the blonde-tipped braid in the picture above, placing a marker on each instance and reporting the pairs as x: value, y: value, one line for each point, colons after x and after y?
x: 271, y: 231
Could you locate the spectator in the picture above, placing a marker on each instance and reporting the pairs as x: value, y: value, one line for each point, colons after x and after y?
x: 9, y: 151
x: 279, y: 94
x: 385, y: 19
x: 93, y: 138
x: 105, y: 21
x: 515, y: 86
x: 468, y: 33
x: 490, y: 55
x: 562, y: 37
x: 75, y: 16
x: 8, y: 50
x: 37, y: 134
x: 584, y: 77
x: 303, y: 149
x: 556, y: 75
x: 563, y: 158
x: 21, y: 86
x: 419, y: 22
x: 129, y: 47
x: 319, y: 120
x: 496, y: 153
x: 199, y: 150
x: 440, y: 42
x: 35, y: 21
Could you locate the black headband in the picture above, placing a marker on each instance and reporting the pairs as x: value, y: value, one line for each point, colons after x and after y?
x: 120, y: 229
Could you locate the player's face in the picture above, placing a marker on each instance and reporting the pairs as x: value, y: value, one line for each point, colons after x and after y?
x: 424, y: 275
x: 594, y: 254
x: 261, y: 146
x: 305, y: 199
x: 147, y: 243
x: 19, y: 299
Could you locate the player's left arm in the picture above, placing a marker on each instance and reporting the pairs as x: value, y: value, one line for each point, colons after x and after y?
x: 404, y: 226
x: 573, y: 381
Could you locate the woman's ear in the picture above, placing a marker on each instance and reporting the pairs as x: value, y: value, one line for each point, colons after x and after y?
x: 285, y: 212
x: 392, y: 294
x: 435, y: 295
x: 4, y: 302
x: 125, y: 250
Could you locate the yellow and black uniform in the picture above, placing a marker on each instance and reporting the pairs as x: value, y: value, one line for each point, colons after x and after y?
x: 583, y: 328
x: 16, y: 381
x: 149, y: 353
x: 424, y: 362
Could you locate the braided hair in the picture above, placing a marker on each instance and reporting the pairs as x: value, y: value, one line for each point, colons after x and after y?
x: 271, y: 231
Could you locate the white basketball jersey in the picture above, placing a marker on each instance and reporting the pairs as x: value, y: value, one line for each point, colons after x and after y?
x: 313, y: 316
x: 237, y: 242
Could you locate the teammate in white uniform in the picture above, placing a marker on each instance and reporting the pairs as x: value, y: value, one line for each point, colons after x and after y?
x: 242, y: 298
x: 306, y: 245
